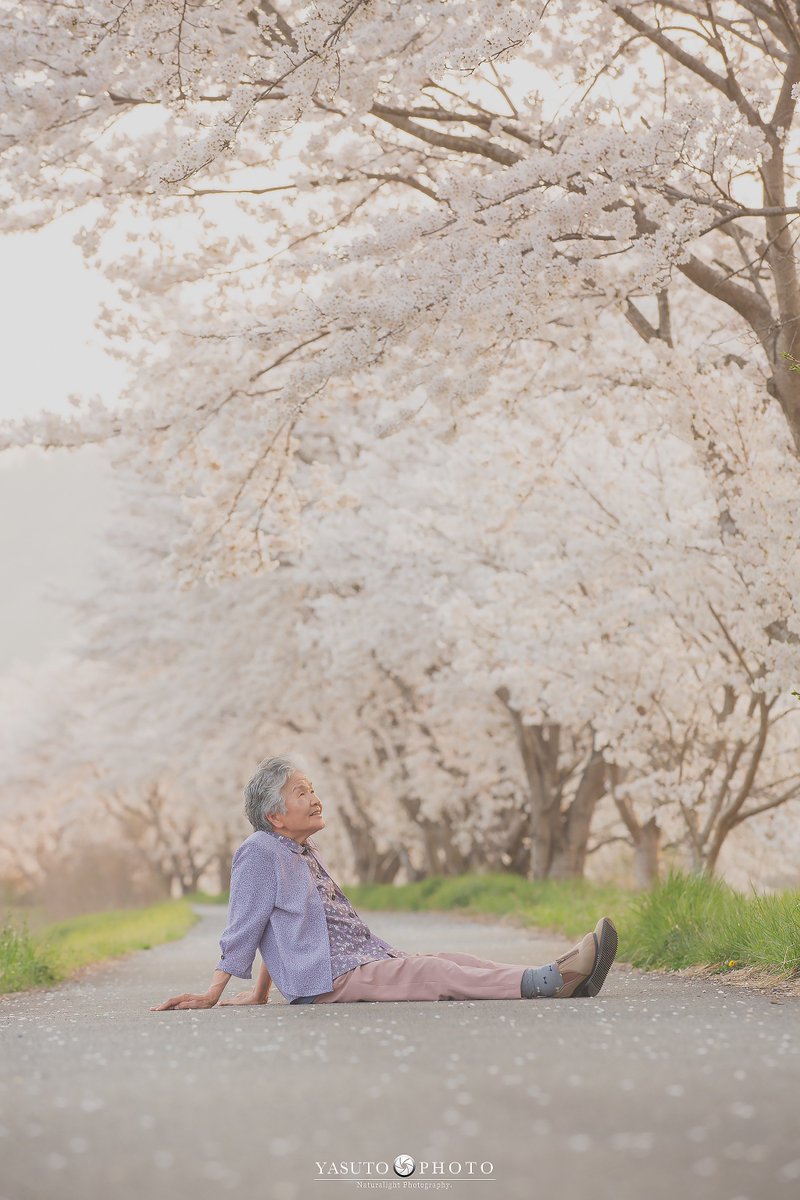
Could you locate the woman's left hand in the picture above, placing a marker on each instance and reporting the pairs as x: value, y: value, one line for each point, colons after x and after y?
x: 248, y: 997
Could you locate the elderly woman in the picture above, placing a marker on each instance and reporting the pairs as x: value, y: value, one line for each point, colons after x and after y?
x: 317, y: 949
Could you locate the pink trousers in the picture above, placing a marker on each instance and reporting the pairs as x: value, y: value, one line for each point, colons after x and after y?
x: 428, y: 977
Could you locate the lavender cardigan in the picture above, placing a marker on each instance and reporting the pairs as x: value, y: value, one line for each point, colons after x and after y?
x: 275, y: 907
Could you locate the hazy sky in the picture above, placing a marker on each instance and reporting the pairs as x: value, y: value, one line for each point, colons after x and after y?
x: 52, y: 505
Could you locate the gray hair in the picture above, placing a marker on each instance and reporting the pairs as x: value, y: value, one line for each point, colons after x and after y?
x: 262, y: 795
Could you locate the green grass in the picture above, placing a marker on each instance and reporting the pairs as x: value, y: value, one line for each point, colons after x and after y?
x: 567, y: 906
x: 56, y: 952
x: 22, y: 963
x: 684, y: 921
x: 692, y: 920
x: 207, y: 897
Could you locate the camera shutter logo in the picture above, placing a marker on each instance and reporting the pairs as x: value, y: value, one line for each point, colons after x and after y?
x: 404, y: 1165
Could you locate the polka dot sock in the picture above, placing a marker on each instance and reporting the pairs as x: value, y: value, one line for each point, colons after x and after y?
x: 540, y: 981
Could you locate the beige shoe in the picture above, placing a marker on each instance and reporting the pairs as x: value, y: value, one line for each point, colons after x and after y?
x: 585, y: 966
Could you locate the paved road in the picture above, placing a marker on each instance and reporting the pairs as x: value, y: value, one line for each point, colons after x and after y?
x: 659, y: 1086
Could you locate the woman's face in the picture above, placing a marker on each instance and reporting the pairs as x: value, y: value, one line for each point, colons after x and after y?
x: 303, y: 816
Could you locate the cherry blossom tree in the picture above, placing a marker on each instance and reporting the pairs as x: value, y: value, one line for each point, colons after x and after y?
x: 659, y: 619
x: 436, y: 186
x: 465, y: 352
x: 441, y: 622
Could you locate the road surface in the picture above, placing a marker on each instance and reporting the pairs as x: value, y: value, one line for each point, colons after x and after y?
x: 659, y: 1087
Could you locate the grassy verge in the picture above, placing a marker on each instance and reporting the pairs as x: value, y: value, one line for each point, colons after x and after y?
x: 568, y: 907
x: 691, y: 920
x: 685, y: 921
x: 207, y: 897
x: 58, y: 951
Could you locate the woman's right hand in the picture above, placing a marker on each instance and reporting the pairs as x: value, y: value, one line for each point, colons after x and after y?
x: 187, y: 1000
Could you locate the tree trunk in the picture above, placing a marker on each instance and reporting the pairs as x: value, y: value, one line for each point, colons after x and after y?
x: 517, y: 851
x: 224, y: 859
x: 559, y: 835
x: 645, y: 835
x: 370, y: 864
x: 570, y: 844
x: 413, y: 874
x: 538, y: 745
x: 647, y: 854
